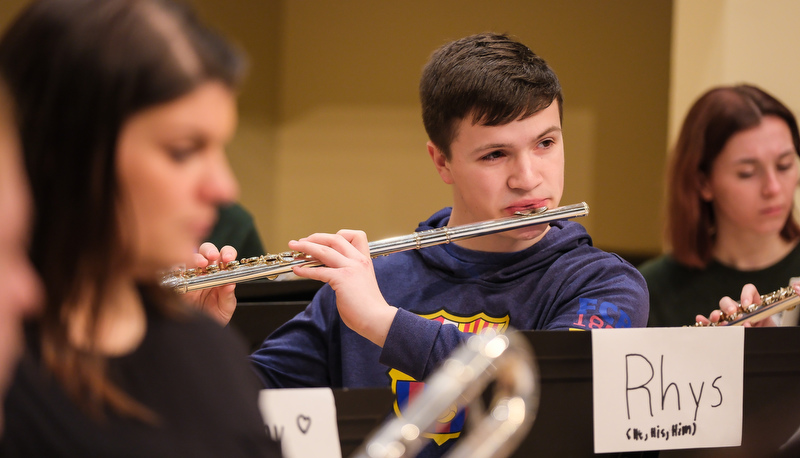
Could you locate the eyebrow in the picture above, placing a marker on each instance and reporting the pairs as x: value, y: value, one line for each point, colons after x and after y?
x: 504, y: 145
x: 749, y: 160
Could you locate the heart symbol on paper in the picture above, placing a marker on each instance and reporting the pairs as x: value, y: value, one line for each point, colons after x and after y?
x: 304, y: 423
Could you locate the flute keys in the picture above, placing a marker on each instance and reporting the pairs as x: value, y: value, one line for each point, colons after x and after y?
x: 250, y: 261
x: 289, y: 256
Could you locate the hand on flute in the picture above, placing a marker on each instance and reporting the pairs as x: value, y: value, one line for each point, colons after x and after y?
x: 219, y: 302
x: 728, y: 306
x: 347, y: 268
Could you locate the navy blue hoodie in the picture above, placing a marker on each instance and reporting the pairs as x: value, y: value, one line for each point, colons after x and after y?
x: 444, y: 293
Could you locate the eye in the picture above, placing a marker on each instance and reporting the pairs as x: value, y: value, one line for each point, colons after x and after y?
x: 182, y: 151
x: 494, y: 155
x: 181, y: 154
x: 547, y: 143
x: 784, y: 166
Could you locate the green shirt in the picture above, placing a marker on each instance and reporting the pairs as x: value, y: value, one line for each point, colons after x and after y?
x: 235, y: 227
x: 679, y: 293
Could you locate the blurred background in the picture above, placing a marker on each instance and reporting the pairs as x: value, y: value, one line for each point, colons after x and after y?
x: 330, y: 133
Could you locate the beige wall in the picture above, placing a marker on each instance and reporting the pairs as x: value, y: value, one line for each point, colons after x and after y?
x: 347, y: 147
x: 719, y: 42
x: 330, y: 132
x: 733, y: 41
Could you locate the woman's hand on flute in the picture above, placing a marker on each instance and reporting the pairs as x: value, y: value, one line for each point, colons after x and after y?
x: 347, y: 267
x: 728, y: 306
x: 219, y: 302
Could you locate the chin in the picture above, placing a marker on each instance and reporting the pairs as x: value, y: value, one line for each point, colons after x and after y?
x: 186, y: 257
x: 769, y: 231
x: 527, y: 233
x: 168, y: 260
x: 525, y: 237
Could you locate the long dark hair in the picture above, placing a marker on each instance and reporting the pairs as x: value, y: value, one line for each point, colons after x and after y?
x: 713, y: 119
x: 78, y: 69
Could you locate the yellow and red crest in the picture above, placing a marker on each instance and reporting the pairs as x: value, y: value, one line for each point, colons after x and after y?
x: 406, y: 388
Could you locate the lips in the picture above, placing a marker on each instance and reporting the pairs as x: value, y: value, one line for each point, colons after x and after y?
x: 525, y: 205
x: 772, y: 211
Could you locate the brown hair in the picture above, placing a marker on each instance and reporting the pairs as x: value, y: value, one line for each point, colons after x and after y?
x: 713, y: 119
x: 491, y: 77
x: 78, y: 69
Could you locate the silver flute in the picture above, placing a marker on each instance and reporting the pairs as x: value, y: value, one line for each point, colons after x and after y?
x: 272, y: 265
x: 771, y: 303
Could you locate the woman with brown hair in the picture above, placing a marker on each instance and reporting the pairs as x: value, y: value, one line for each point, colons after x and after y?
x: 730, y: 202
x: 124, y: 108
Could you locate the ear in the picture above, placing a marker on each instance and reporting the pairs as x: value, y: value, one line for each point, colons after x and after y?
x: 704, y: 187
x: 441, y: 162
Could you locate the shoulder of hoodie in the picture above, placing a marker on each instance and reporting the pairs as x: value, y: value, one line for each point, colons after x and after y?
x: 576, y: 247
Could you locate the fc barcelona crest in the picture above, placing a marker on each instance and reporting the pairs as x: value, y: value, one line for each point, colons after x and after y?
x: 406, y: 388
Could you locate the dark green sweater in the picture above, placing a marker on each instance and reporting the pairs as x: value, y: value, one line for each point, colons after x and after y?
x: 679, y: 293
x: 236, y: 228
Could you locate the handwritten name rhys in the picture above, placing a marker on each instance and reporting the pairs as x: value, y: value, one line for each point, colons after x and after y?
x: 648, y: 387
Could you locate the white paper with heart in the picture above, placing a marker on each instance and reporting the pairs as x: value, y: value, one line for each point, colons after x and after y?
x: 303, y: 419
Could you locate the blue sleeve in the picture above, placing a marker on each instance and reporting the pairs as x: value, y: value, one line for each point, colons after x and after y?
x: 417, y: 345
x: 600, y: 292
x: 298, y: 353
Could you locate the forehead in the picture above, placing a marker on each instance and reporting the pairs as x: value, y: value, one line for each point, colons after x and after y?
x: 769, y: 139
x: 211, y: 107
x: 470, y: 130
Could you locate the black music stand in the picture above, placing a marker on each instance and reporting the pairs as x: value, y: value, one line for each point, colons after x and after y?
x: 264, y: 305
x: 564, y: 422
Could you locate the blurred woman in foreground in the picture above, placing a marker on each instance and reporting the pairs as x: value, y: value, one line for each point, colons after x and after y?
x: 124, y: 110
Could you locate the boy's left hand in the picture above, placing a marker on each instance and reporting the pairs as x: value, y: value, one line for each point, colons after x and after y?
x: 219, y: 302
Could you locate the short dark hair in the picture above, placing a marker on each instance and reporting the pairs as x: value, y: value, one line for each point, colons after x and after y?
x: 713, y: 119
x: 78, y: 70
x: 488, y: 76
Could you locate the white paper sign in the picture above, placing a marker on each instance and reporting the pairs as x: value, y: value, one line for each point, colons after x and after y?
x: 667, y: 388
x: 303, y: 419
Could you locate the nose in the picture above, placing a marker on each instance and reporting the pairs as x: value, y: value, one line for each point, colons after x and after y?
x: 220, y: 185
x: 771, y: 184
x: 524, y: 174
